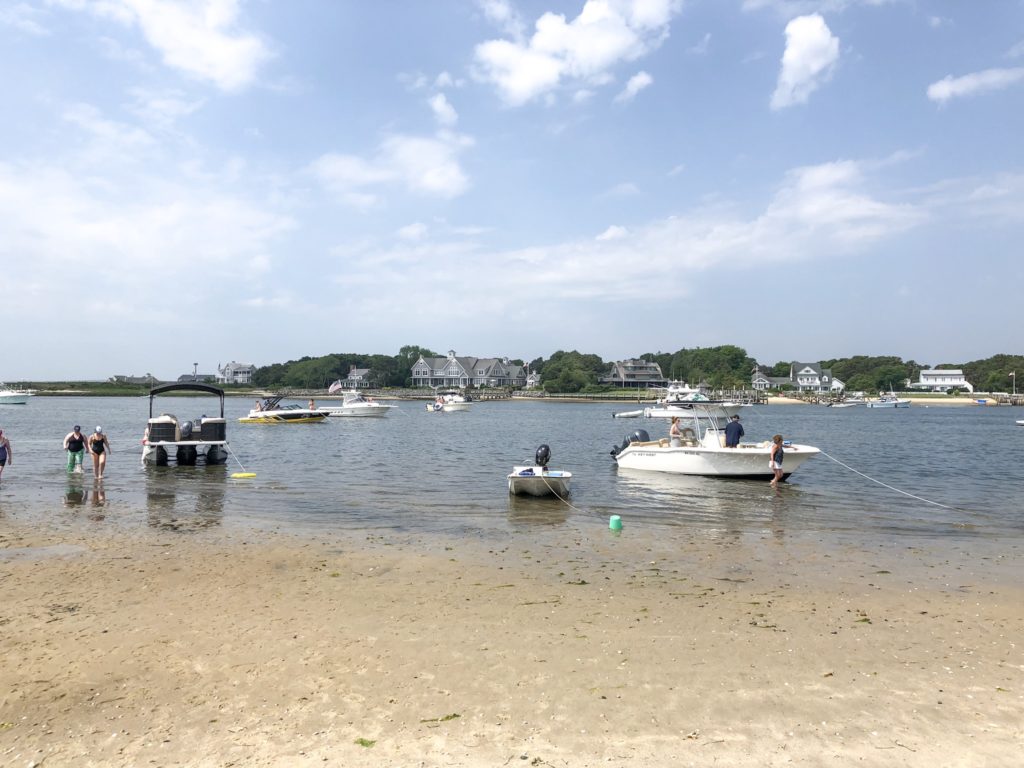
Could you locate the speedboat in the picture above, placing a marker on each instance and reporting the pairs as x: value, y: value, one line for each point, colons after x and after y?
x: 13, y: 396
x: 270, y: 411
x: 889, y: 401
x: 538, y: 480
x: 449, y: 402
x: 353, y: 403
x: 680, y: 400
x: 701, y: 451
x: 185, y: 442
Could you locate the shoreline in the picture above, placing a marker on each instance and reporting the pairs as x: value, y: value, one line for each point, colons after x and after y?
x: 260, y: 648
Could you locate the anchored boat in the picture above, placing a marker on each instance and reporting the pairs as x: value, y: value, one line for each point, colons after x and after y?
x: 270, y: 411
x: 185, y: 442
x: 701, y: 451
x: 353, y: 403
x: 538, y: 480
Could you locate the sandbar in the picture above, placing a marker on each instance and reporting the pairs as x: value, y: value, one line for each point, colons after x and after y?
x: 260, y: 648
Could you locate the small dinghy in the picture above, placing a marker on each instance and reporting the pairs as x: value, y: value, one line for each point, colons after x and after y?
x: 538, y: 480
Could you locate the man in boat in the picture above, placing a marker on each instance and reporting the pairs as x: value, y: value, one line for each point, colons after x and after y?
x: 733, y: 432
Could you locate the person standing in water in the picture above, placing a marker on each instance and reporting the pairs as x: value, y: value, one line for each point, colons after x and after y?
x: 99, y: 447
x: 74, y: 444
x: 775, y: 460
x: 6, y: 454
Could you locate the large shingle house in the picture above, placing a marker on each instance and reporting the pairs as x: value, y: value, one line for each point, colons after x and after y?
x: 235, y: 373
x: 803, y: 377
x: 635, y: 373
x: 458, y: 371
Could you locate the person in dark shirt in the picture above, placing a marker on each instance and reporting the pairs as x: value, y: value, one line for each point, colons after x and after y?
x: 733, y: 432
x: 74, y: 444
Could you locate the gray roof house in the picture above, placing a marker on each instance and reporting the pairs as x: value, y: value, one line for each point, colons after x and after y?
x: 635, y: 373
x: 235, y: 373
x: 458, y: 371
x: 357, y: 378
x: 803, y: 377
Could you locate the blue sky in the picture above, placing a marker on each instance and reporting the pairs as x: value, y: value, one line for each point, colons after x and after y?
x: 256, y: 180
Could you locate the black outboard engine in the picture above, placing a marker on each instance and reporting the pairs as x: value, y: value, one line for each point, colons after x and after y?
x: 543, y: 455
x: 639, y: 436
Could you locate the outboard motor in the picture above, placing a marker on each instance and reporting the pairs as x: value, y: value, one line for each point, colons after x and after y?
x: 186, y: 430
x: 639, y: 436
x: 543, y: 455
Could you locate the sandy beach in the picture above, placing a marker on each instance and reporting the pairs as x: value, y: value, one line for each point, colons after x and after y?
x: 257, y: 648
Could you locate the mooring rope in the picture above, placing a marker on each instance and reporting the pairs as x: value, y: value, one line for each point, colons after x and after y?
x: 563, y: 500
x: 890, y: 487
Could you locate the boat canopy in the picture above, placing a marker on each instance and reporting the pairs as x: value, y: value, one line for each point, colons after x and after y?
x: 186, y: 387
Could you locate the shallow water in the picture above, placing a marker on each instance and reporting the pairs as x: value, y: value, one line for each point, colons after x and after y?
x: 416, y: 471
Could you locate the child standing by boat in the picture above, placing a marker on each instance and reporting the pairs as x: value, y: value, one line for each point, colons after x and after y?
x: 775, y: 460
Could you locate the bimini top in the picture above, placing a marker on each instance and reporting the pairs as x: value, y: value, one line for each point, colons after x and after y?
x: 187, y: 387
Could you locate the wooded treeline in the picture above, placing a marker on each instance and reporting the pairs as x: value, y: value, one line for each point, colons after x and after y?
x: 724, y: 367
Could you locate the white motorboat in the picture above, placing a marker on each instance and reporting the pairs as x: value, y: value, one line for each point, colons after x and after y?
x: 270, y: 411
x: 889, y: 401
x: 538, y: 480
x: 681, y: 399
x: 702, y: 451
x: 1020, y: 422
x: 354, y: 403
x: 13, y: 396
x: 449, y: 402
x: 185, y: 442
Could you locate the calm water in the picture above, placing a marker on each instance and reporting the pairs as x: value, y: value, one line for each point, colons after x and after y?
x: 445, y: 473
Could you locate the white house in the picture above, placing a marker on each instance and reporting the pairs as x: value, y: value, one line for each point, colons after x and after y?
x: 803, y: 377
x: 941, y: 380
x: 235, y: 373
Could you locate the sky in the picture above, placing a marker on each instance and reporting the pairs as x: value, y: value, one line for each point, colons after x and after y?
x: 204, y: 181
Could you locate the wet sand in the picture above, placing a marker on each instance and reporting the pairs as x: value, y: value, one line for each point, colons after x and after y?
x: 582, y: 649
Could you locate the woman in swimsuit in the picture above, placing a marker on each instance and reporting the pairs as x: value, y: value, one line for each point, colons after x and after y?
x: 6, y: 454
x: 99, y: 447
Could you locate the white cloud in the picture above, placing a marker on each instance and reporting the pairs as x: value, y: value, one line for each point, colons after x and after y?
x: 162, y: 109
x: 420, y: 164
x: 625, y: 189
x: 810, y: 56
x: 604, y: 34
x: 614, y: 232
x: 444, y: 112
x: 415, y: 231
x: 702, y: 47
x: 198, y: 37
x: 951, y: 87
x: 636, y: 83
x: 501, y: 13
x: 1016, y: 51
x: 24, y: 17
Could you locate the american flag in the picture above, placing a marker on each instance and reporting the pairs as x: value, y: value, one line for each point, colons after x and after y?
x: 334, y: 387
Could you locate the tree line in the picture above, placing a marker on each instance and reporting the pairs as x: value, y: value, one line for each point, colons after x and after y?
x: 722, y: 367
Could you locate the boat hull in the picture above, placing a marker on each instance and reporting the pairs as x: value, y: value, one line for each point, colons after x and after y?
x: 372, y: 411
x: 283, y: 417
x: 15, y: 398
x: 749, y: 461
x: 537, y: 481
x: 714, y: 410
